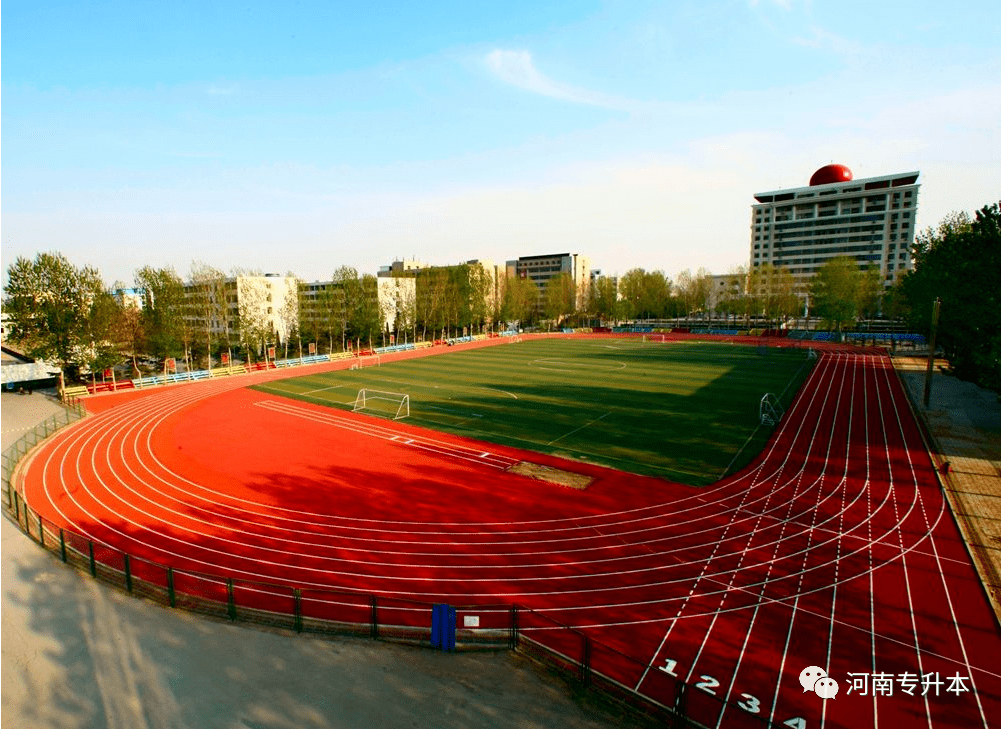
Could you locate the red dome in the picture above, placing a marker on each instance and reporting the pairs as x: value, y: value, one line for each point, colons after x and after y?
x: 830, y: 174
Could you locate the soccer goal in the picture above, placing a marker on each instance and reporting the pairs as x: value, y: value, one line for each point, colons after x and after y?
x: 769, y: 410
x: 395, y: 405
x: 368, y: 360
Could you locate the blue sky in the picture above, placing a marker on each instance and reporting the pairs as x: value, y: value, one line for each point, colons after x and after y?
x: 304, y: 136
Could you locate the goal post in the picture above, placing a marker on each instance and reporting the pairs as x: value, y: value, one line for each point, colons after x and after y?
x: 769, y: 410
x: 395, y: 405
x: 368, y: 360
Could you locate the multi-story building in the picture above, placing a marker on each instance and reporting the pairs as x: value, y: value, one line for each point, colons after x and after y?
x: 321, y: 303
x: 871, y: 220
x: 232, y: 306
x: 401, y: 268
x: 540, y: 269
x: 478, y: 277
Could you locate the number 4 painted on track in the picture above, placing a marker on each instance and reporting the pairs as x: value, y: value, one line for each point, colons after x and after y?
x: 796, y: 723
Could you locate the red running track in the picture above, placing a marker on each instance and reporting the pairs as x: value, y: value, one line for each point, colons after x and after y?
x: 834, y: 548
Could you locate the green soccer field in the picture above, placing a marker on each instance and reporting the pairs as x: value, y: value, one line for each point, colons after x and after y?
x: 683, y: 411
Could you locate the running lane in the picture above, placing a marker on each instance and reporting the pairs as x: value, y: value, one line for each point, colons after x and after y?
x: 833, y: 549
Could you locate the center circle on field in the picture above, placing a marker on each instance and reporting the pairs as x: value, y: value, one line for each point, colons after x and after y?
x: 567, y: 365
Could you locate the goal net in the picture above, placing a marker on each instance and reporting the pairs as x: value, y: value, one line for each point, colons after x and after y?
x: 769, y: 410
x: 368, y: 360
x: 394, y: 405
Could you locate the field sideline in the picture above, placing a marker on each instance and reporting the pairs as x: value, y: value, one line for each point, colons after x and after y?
x: 686, y: 411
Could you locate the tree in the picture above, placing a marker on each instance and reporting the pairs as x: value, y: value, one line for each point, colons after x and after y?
x: 559, y: 298
x: 163, y: 304
x: 778, y: 295
x: 206, y: 300
x: 959, y: 263
x: 343, y: 301
x: 870, y: 293
x: 631, y: 290
x: 519, y: 300
x: 289, y: 310
x: 604, y: 303
x: 53, y: 308
x: 366, y: 319
x: 254, y: 328
x: 835, y: 292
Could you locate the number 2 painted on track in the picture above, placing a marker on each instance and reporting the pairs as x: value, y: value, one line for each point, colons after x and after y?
x: 708, y: 684
x: 748, y: 703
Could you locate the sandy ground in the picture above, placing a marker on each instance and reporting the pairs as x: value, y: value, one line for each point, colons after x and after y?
x: 77, y: 654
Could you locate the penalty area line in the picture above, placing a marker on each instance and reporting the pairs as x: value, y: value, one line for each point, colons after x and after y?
x: 577, y: 429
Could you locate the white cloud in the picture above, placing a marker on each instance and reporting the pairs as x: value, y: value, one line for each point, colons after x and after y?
x: 516, y: 68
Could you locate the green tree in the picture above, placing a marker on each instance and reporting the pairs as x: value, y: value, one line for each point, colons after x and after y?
x: 365, y: 320
x: 604, y: 303
x: 835, y: 292
x: 55, y: 309
x: 959, y: 262
x: 559, y: 298
x: 632, y: 293
x: 163, y: 307
x: 519, y: 300
x: 343, y: 302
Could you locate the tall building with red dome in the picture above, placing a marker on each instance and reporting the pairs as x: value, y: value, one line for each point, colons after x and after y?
x: 871, y: 220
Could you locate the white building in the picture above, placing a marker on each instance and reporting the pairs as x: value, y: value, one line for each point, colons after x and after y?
x: 269, y: 301
x: 871, y: 220
x: 540, y: 269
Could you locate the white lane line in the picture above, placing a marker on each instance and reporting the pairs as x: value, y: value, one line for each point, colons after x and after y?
x: 577, y: 429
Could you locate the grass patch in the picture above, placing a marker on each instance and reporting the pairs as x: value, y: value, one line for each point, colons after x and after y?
x: 677, y: 410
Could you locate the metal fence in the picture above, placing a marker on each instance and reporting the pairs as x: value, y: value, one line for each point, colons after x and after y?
x: 571, y: 651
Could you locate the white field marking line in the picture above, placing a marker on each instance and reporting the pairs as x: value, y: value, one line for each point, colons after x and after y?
x: 319, y: 389
x: 333, y: 419
x: 378, y: 431
x: 412, y: 383
x: 797, y: 599
x: 755, y: 613
x: 179, y: 524
x: 713, y: 623
x: 839, y: 542
x: 870, y: 552
x: 426, y: 444
x: 383, y: 540
x: 695, y: 584
x: 905, y: 564
x: 581, y: 428
x: 458, y: 412
x: 950, y: 602
x: 299, y: 521
x: 777, y: 439
x: 933, y: 543
x: 584, y: 365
